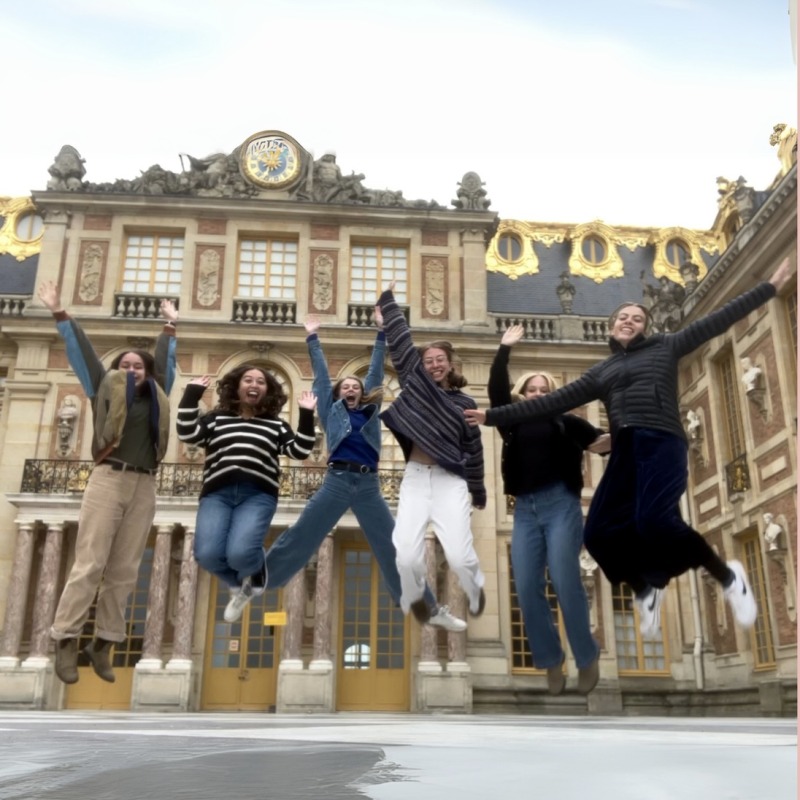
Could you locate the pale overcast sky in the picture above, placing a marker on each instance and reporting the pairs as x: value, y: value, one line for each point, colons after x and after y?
x: 570, y: 110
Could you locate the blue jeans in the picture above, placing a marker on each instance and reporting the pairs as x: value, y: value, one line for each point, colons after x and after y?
x: 548, y: 531
x: 634, y: 529
x: 229, y: 535
x: 339, y: 491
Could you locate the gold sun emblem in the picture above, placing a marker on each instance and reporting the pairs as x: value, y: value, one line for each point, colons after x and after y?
x: 272, y: 158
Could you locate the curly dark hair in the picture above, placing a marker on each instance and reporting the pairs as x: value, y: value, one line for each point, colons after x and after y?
x: 228, y: 391
x: 455, y: 380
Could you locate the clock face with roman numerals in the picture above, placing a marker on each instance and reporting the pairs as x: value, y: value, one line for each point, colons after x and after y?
x: 271, y: 160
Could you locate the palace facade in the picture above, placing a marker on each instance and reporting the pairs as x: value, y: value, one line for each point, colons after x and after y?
x: 248, y: 243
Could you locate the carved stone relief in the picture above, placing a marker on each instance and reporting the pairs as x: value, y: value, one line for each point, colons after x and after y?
x: 434, y: 287
x: 323, y: 281
x: 92, y: 260
x: 209, y: 260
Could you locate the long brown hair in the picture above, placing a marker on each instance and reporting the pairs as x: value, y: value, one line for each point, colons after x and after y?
x: 375, y: 396
x: 228, y: 391
x: 455, y: 380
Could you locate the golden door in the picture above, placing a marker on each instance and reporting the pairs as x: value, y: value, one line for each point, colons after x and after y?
x: 241, y: 658
x: 92, y: 692
x: 372, y: 671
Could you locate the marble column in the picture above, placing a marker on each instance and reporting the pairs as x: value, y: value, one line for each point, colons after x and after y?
x: 323, y: 604
x: 429, y: 638
x: 157, y: 600
x: 457, y: 600
x: 44, y: 608
x: 17, y: 596
x: 187, y: 594
x: 294, y: 598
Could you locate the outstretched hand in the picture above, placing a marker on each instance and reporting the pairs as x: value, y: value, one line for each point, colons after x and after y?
x: 781, y: 275
x: 203, y: 380
x: 307, y: 400
x: 168, y: 310
x: 48, y: 294
x: 512, y: 335
x: 311, y: 324
x: 475, y: 417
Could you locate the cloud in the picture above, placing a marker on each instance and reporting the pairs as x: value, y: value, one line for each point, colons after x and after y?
x: 562, y: 124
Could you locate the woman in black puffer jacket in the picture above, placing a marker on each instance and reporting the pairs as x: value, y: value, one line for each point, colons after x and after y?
x: 634, y: 530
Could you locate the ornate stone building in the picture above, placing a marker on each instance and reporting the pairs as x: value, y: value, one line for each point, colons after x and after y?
x: 249, y: 242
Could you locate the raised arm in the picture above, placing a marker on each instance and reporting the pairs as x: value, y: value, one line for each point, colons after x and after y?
x: 81, y: 355
x: 574, y: 394
x: 398, y: 337
x: 165, y: 355
x: 499, y: 382
x: 717, y: 322
x: 190, y: 425
x: 299, y: 445
x: 321, y: 386
x: 375, y: 374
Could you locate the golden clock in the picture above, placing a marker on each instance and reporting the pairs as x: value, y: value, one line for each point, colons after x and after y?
x: 271, y: 160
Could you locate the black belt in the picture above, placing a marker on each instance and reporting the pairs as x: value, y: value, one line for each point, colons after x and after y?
x: 121, y: 466
x: 350, y: 466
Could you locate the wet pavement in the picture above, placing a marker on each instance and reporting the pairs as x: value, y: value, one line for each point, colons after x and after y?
x: 122, y: 756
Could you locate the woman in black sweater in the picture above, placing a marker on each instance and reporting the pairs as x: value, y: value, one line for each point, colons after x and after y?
x: 542, y: 468
x: 634, y: 530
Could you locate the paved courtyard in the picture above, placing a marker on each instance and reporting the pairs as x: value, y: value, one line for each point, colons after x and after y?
x: 122, y: 756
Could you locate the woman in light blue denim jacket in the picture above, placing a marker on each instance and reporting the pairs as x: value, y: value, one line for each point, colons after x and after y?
x: 348, y: 411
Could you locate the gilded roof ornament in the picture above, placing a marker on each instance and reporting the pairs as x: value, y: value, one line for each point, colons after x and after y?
x: 21, y: 228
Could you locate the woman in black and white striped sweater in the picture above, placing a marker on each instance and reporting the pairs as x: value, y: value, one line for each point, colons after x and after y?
x: 243, y: 438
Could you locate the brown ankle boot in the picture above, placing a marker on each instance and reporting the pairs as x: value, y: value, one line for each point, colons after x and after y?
x: 98, y: 651
x: 67, y: 660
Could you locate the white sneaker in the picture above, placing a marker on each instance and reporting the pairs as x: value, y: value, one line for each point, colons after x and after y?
x: 239, y: 599
x: 649, y: 608
x: 740, y: 596
x: 444, y: 619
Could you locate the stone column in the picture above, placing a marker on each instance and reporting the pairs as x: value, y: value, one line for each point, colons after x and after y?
x: 44, y: 608
x: 294, y: 598
x: 429, y: 638
x: 157, y: 601
x: 17, y: 596
x: 322, y: 606
x: 187, y: 593
x: 457, y: 600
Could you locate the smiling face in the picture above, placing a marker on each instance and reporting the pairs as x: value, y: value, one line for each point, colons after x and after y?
x: 436, y: 364
x: 351, y: 391
x: 252, y: 389
x: 133, y: 362
x: 536, y: 387
x: 629, y: 323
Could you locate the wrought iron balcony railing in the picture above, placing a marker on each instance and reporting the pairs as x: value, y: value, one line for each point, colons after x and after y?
x: 54, y: 476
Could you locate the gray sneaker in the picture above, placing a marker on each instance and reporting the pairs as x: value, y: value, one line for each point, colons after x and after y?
x: 444, y: 619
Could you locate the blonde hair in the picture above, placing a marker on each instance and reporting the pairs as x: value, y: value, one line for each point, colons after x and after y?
x: 518, y: 392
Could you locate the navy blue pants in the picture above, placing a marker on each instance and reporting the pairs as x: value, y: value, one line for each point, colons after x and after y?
x: 634, y: 529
